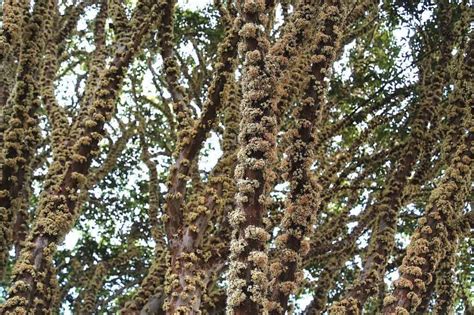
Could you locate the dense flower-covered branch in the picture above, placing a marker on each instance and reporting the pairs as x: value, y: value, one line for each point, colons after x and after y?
x: 34, y: 285
x: 431, y: 240
x: 22, y: 135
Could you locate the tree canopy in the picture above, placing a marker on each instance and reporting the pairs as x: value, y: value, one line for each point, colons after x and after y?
x: 236, y: 157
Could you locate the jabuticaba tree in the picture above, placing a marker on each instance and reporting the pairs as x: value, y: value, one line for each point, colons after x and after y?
x: 248, y: 282
x: 21, y: 133
x: 387, y: 207
x: 236, y: 157
x: 435, y: 238
x: 33, y: 277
